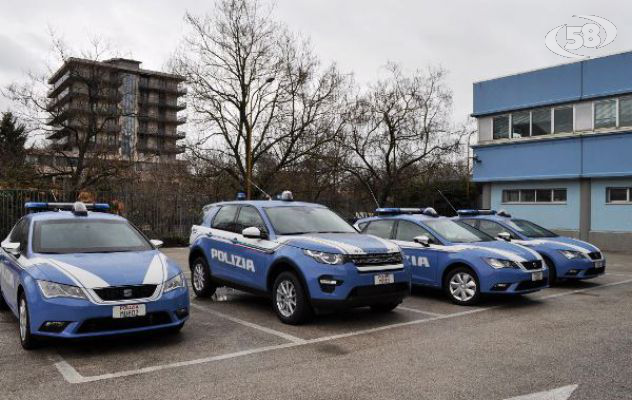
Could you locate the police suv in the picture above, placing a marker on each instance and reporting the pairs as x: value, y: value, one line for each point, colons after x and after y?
x: 451, y: 255
x: 567, y: 258
x: 67, y: 272
x: 302, y: 254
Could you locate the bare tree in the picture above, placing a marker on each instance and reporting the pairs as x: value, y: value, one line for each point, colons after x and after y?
x: 257, y: 92
x: 76, y: 108
x: 398, y: 128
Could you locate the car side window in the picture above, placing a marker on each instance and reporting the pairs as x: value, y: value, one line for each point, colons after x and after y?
x: 382, y: 228
x: 249, y: 216
x: 492, y: 228
x: 407, y: 231
x: 225, y: 218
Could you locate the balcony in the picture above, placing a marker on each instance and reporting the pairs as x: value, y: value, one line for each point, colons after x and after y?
x: 172, y: 104
x: 157, y: 133
x: 145, y: 148
x: 106, y: 80
x: 162, y: 86
x: 167, y: 119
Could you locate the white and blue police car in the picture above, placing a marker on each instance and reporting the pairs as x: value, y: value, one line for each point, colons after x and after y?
x: 567, y: 258
x: 455, y: 257
x: 67, y: 272
x: 303, y: 255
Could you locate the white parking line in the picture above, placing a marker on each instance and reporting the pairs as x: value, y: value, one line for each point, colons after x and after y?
x: 283, y: 335
x: 71, y: 375
x: 414, y: 310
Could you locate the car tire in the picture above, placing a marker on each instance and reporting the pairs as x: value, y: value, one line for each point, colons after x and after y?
x: 289, y: 299
x: 384, y: 307
x: 552, y: 271
x: 27, y: 340
x: 462, y: 286
x: 201, y: 279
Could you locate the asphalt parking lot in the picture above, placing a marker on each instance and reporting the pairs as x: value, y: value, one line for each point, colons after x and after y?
x: 233, y: 347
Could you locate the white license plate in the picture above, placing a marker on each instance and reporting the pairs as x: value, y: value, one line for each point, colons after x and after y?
x: 599, y: 264
x: 537, y: 276
x: 128, y: 311
x: 383, y: 279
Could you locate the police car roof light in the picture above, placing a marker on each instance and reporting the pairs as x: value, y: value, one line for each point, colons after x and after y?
x: 431, y: 212
x: 475, y: 212
x: 286, y: 195
x: 241, y: 196
x: 74, y: 207
x: 79, y: 209
x: 395, y: 211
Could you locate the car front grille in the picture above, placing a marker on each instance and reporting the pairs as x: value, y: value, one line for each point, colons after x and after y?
x: 595, y: 255
x: 119, y: 324
x: 115, y: 293
x: 532, y: 265
x: 375, y: 259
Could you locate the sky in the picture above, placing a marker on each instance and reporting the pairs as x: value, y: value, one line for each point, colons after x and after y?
x: 473, y: 40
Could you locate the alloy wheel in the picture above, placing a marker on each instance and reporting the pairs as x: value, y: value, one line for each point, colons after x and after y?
x: 286, y: 298
x: 462, y: 286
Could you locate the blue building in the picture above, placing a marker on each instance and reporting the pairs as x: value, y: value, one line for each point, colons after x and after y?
x: 555, y: 146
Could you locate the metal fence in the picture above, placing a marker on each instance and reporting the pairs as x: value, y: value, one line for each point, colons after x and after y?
x: 169, y: 215
x: 164, y: 215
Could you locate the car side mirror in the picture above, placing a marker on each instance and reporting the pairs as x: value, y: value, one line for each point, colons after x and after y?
x: 506, y: 236
x: 156, y: 243
x: 12, y: 248
x: 422, y: 240
x: 252, y: 232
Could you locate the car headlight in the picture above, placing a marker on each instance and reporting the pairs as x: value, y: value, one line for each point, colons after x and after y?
x: 499, y: 263
x: 174, y: 283
x: 52, y: 289
x: 326, y: 258
x: 572, y: 254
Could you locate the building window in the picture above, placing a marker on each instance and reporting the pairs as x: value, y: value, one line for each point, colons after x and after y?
x: 520, y: 124
x: 541, y: 122
x: 618, y: 195
x: 563, y: 119
x: 625, y: 111
x: 534, y: 196
x: 501, y: 127
x: 605, y: 114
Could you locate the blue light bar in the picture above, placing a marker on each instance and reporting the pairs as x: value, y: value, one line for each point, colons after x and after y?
x: 39, y: 205
x: 395, y: 211
x: 476, y: 212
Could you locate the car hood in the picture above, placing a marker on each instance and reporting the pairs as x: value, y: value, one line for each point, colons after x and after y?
x: 559, y: 243
x: 95, y: 270
x: 493, y: 249
x: 341, y: 243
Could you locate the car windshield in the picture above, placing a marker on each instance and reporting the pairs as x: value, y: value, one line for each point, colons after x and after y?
x: 87, y: 236
x: 457, y: 232
x: 529, y: 229
x: 300, y: 220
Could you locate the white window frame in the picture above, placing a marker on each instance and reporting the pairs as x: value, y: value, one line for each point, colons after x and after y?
x: 536, y: 202
x: 619, y: 202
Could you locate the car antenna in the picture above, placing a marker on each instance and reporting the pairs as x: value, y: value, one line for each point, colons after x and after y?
x: 446, y: 199
x: 373, y: 195
x: 261, y: 190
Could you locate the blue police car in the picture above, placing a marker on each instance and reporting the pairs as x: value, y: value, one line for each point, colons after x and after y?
x: 302, y: 254
x: 566, y: 258
x: 451, y: 255
x: 68, y: 272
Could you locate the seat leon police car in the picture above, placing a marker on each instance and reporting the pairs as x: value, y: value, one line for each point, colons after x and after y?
x: 71, y: 274
x: 302, y: 254
x: 461, y: 260
x: 567, y: 258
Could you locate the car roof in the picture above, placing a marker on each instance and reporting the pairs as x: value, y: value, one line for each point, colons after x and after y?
x: 487, y: 217
x: 68, y: 215
x: 407, y: 217
x: 267, y: 203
